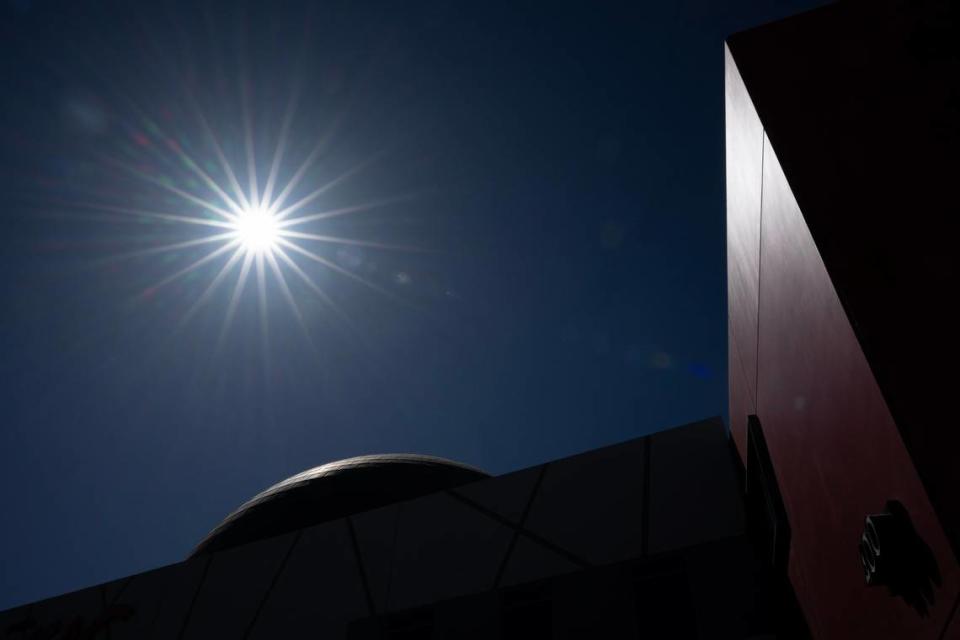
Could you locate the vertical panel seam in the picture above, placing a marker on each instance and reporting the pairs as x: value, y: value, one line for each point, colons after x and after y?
x: 273, y: 583
x: 393, y: 554
x: 106, y: 606
x: 950, y: 617
x: 751, y: 394
x: 523, y: 520
x: 103, y: 608
x: 196, y: 595
x: 763, y: 147
x: 645, y: 498
x: 360, y: 568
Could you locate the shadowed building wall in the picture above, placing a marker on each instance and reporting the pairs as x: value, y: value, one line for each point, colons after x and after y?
x: 841, y: 133
x: 637, y: 540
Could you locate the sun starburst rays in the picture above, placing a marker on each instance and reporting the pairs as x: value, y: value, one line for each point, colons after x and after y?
x: 255, y: 234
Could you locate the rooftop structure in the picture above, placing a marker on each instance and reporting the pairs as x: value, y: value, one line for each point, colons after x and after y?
x: 332, y: 491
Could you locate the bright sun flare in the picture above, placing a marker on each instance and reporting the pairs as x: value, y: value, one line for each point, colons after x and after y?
x: 257, y: 230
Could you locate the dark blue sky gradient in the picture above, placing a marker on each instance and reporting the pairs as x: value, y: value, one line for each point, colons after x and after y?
x: 566, y: 173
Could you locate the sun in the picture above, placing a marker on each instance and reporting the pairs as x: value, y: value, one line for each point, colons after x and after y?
x: 267, y: 227
x: 257, y: 230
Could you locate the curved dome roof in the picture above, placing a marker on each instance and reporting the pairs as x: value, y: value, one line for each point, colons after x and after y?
x: 332, y: 491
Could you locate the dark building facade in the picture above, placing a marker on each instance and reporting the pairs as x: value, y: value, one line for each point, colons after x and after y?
x: 645, y: 539
x: 841, y: 143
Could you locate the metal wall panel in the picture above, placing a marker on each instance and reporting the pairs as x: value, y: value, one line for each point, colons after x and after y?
x: 837, y: 452
x: 530, y: 560
x: 236, y: 583
x: 694, y: 497
x: 76, y: 614
x: 860, y: 102
x: 319, y: 591
x: 744, y: 148
x: 590, y: 511
x: 444, y: 549
x: 952, y: 630
x: 158, y: 599
x: 602, y: 486
x: 376, y: 536
x: 507, y: 496
x: 740, y: 403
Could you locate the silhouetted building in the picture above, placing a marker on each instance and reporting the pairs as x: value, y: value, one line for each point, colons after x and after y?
x: 643, y: 539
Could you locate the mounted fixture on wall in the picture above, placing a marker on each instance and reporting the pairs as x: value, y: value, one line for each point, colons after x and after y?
x: 894, y: 555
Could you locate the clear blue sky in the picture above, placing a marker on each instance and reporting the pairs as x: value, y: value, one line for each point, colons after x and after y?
x: 562, y: 178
